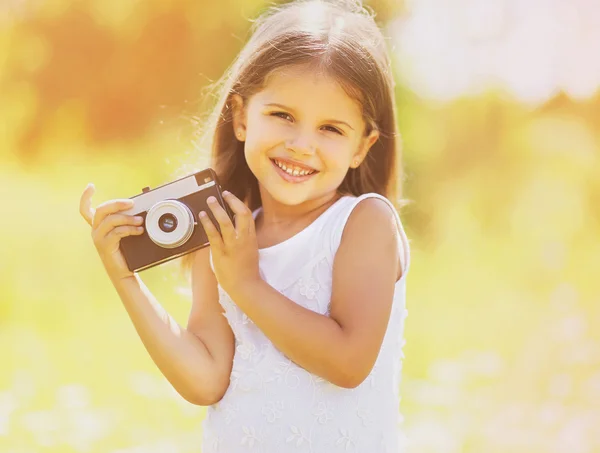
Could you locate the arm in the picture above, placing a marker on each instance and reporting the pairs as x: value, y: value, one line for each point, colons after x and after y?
x: 341, y: 348
x: 197, y: 360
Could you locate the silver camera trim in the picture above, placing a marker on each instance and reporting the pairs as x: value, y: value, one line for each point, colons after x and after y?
x: 175, y: 190
x: 182, y: 232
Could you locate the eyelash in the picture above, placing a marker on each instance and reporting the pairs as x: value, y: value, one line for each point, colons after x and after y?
x: 282, y: 115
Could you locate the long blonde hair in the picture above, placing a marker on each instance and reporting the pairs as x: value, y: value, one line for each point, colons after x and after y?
x: 339, y: 38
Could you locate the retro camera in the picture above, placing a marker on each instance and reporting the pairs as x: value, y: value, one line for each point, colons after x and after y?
x: 171, y: 225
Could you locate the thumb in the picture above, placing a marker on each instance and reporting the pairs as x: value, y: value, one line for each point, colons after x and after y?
x: 85, y: 204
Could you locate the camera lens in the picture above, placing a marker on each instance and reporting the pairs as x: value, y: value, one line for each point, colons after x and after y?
x: 167, y: 222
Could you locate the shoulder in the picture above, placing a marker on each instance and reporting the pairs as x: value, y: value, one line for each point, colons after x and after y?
x: 363, y: 224
x: 370, y: 234
x: 374, y: 216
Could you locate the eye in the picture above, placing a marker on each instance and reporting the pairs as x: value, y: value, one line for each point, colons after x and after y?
x: 334, y: 129
x: 285, y: 116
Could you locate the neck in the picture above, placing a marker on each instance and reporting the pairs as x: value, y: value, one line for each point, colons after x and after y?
x: 276, y: 214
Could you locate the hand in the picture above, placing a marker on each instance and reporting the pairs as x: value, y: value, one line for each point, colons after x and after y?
x: 235, y: 250
x: 108, y: 227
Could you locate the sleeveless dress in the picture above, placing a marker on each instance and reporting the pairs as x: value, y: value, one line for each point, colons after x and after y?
x: 274, y: 406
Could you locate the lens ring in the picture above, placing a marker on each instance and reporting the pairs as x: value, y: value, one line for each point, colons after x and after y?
x: 183, y: 225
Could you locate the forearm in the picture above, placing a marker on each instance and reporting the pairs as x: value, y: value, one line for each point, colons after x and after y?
x: 314, y: 341
x: 179, y: 354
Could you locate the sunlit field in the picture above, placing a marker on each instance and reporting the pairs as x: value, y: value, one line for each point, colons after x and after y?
x: 502, y: 349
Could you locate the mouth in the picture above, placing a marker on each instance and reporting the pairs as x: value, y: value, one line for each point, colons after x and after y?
x: 292, y: 172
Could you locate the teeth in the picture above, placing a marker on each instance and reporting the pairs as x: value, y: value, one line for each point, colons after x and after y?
x: 293, y: 171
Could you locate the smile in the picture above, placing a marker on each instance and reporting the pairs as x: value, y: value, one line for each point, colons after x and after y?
x: 291, y: 172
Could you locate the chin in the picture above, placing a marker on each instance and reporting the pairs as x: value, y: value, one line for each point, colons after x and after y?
x: 293, y: 197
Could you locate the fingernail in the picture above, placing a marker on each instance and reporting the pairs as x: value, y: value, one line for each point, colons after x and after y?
x: 226, y: 193
x: 202, y: 214
x: 211, y: 199
x: 138, y: 218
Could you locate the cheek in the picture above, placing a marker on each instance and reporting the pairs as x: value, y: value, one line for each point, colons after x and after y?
x: 262, y: 135
x: 335, y: 155
x: 260, y: 142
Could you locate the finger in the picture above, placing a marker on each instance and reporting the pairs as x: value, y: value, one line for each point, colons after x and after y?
x: 227, y: 230
x: 110, y: 207
x: 244, y: 223
x: 214, y: 238
x: 115, y: 220
x: 116, y: 234
x: 85, y: 203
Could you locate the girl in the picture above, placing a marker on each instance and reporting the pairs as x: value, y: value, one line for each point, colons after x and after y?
x: 294, y: 338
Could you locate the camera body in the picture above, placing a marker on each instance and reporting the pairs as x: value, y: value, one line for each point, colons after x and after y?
x: 171, y: 225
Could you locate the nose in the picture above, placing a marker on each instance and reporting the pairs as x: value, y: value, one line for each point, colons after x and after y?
x: 301, y: 144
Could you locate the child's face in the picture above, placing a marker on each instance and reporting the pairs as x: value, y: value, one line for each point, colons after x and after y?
x: 316, y: 125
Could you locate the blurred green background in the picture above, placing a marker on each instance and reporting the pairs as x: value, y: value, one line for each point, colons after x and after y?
x: 499, y: 110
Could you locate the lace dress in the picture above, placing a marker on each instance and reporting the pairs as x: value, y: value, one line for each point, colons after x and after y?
x: 274, y: 406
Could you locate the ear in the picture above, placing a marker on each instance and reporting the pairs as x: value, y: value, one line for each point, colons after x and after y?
x: 238, y: 117
x: 364, y: 148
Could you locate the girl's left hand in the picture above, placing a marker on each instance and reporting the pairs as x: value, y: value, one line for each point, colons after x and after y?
x: 235, y: 250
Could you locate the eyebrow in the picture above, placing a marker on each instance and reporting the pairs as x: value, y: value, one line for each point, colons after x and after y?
x: 274, y: 104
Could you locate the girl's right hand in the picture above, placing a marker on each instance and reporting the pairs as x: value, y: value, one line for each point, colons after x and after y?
x: 108, y: 227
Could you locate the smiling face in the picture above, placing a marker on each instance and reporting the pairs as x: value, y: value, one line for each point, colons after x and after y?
x: 302, y: 133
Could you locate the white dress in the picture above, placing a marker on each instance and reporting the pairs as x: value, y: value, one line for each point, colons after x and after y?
x: 274, y: 406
